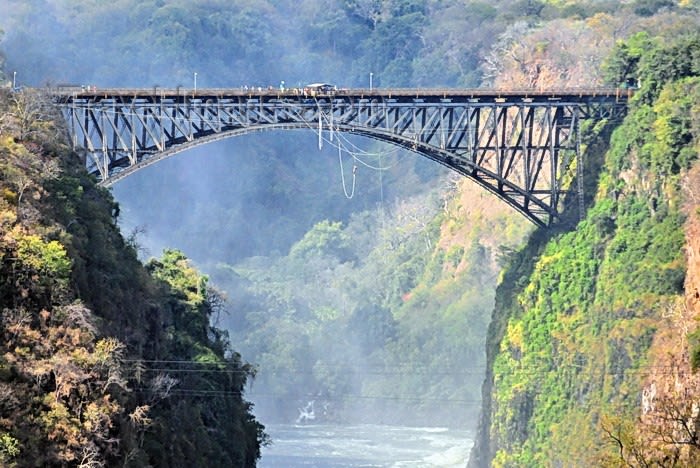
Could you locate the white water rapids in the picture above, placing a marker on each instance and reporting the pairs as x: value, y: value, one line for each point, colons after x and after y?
x: 365, y: 446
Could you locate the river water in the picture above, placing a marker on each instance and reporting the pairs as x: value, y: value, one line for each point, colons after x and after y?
x: 365, y: 446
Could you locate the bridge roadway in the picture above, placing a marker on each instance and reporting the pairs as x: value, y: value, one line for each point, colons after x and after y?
x: 522, y: 145
x: 581, y: 95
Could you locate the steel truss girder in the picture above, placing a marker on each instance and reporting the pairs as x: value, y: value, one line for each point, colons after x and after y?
x: 520, y: 150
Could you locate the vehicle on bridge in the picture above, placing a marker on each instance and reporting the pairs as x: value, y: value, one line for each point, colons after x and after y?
x: 315, y: 89
x: 72, y: 88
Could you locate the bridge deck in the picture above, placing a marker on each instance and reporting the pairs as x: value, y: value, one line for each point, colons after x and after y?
x: 67, y: 94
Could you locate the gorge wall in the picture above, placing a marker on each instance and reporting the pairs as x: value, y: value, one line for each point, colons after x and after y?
x: 591, y: 343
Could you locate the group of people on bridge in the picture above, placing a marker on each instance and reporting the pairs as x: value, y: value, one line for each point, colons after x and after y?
x: 309, y: 90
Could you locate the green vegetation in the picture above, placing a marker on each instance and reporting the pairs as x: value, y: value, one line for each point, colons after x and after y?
x: 100, y: 358
x: 374, y: 322
x: 343, y: 303
x: 572, y: 332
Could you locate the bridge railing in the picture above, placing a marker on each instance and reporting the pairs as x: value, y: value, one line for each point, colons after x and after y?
x: 94, y: 92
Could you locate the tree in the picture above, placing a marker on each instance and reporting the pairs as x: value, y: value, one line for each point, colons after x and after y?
x: 651, y: 7
x: 324, y: 239
x: 620, y: 68
x: 560, y: 53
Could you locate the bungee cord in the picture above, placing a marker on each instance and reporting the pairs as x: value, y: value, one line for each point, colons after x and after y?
x: 355, y: 155
x: 342, y: 176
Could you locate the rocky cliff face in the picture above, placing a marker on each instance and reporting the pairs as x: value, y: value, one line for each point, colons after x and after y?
x: 593, y: 339
x: 692, y: 279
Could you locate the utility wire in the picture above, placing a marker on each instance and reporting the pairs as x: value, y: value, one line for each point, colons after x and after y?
x: 374, y: 366
x: 302, y: 398
x: 409, y: 370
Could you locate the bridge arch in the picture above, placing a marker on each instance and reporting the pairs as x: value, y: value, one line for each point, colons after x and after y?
x: 519, y: 146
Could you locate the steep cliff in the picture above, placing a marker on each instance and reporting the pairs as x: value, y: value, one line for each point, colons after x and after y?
x: 102, y: 361
x: 588, y: 356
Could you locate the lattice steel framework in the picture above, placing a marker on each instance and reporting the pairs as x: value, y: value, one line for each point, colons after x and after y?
x: 518, y: 145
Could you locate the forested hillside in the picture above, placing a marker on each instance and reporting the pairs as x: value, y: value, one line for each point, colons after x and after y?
x: 591, y: 336
x: 376, y: 321
x: 102, y: 361
x: 354, y: 275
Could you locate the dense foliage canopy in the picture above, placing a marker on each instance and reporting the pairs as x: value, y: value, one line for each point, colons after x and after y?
x: 578, y: 332
x: 370, y: 305
x: 100, y: 358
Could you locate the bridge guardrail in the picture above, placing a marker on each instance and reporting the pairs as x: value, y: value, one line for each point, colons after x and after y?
x: 554, y: 93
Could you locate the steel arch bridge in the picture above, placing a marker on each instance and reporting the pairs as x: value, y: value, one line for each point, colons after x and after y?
x: 519, y: 145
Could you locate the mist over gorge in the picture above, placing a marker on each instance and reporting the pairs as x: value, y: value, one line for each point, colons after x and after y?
x: 377, y: 307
